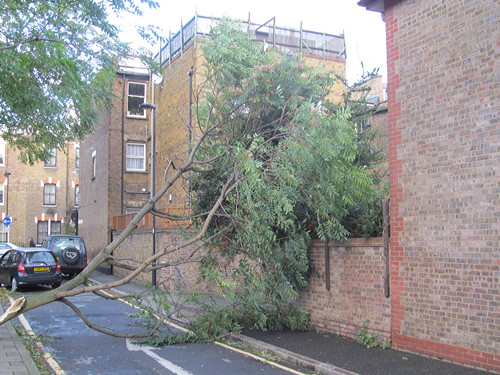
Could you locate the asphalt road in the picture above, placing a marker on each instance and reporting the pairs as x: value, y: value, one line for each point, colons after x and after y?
x: 78, y: 349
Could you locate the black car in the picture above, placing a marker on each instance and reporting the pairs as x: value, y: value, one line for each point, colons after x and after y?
x: 70, y: 252
x: 29, y: 266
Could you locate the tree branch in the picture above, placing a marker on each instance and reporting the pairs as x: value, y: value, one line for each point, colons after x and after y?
x: 30, y: 40
x: 97, y: 328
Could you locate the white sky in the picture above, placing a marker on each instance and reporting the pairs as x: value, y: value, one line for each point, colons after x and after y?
x: 364, y: 30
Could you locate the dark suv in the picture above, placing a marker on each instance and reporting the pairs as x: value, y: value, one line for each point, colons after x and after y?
x: 70, y: 251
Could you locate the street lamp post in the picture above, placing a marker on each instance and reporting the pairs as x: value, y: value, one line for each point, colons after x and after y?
x: 7, y: 175
x: 153, y: 181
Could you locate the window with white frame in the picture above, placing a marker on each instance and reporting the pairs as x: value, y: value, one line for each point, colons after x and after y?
x: 2, y: 190
x: 94, y: 164
x: 136, y: 157
x: 136, y: 96
x: 49, y: 194
x: 51, y: 162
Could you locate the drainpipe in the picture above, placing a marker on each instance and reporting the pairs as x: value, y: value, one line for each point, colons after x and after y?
x: 123, y: 144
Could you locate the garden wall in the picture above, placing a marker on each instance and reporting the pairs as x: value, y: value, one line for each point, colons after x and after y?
x: 357, y: 272
x: 356, y: 287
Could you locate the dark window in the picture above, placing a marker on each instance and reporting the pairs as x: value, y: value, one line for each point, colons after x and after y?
x: 49, y: 194
x: 52, y: 161
x: 136, y: 96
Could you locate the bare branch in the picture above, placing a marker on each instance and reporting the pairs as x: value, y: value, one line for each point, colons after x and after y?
x: 97, y: 328
x: 30, y: 40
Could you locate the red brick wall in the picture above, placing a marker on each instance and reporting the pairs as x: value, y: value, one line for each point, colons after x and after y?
x: 356, y: 288
x: 444, y: 158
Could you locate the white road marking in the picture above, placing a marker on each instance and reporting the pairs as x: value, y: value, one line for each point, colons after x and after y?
x: 162, y: 361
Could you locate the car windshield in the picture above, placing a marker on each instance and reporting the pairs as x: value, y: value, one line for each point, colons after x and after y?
x: 63, y: 243
x: 39, y: 257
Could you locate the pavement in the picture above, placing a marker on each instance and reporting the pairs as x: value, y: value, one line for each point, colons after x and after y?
x: 320, y: 352
x: 14, y: 358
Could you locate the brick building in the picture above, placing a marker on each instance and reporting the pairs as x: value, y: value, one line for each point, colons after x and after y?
x: 182, y: 58
x: 444, y: 162
x: 38, y: 198
x: 115, y: 167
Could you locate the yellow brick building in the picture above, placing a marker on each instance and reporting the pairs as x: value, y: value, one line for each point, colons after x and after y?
x: 40, y: 198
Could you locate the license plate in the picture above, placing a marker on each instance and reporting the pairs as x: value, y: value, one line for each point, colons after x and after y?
x: 41, y: 269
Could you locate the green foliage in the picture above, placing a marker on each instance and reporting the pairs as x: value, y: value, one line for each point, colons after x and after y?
x: 365, y: 337
x: 371, y: 340
x: 292, y: 157
x: 364, y: 219
x: 57, y: 62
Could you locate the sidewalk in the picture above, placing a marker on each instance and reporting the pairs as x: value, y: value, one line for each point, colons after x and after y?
x: 330, y: 354
x: 14, y: 358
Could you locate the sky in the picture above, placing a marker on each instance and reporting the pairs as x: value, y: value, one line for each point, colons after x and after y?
x: 364, y: 30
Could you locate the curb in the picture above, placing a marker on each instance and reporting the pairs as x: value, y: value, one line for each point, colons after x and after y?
x: 291, y: 357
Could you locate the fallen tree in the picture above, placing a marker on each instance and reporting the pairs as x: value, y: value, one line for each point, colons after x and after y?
x: 273, y: 164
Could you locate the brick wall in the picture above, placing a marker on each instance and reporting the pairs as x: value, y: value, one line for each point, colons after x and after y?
x: 112, y: 191
x: 138, y: 246
x: 444, y: 159
x: 356, y: 280
x: 356, y: 288
x: 172, y: 98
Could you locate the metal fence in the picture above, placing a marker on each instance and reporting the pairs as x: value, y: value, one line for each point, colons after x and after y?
x: 270, y: 35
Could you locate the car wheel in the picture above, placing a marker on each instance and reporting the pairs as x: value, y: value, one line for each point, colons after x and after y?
x: 13, y: 284
x: 71, y: 255
x: 56, y: 285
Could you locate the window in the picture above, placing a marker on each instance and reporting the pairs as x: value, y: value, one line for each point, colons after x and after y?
x: 136, y: 157
x: 2, y: 152
x: 77, y: 195
x: 49, y: 194
x: 136, y: 96
x: 77, y: 157
x: 51, y: 162
x: 2, y: 185
x: 44, y: 228
x: 132, y: 210
x: 94, y: 164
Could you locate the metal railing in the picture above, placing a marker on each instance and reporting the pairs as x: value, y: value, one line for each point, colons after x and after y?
x: 286, y: 39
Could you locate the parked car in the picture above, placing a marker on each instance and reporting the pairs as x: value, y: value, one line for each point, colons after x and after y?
x: 4, y: 246
x: 70, y: 252
x: 29, y: 266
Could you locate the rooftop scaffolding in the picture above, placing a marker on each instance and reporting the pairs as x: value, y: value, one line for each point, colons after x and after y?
x: 285, y: 39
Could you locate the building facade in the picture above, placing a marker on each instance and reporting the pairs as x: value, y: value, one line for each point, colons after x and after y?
x: 444, y: 159
x: 115, y: 166
x: 40, y: 198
